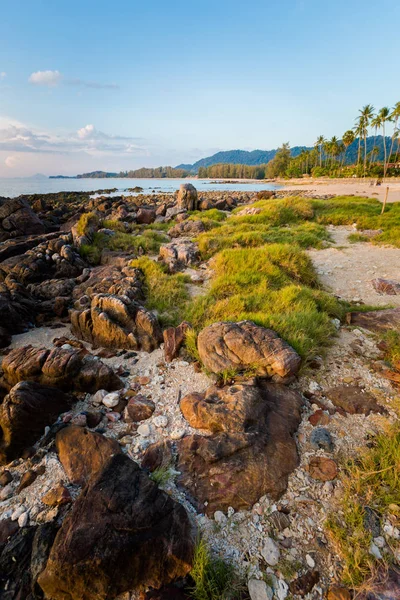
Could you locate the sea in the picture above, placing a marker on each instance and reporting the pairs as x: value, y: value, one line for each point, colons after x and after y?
x: 10, y: 188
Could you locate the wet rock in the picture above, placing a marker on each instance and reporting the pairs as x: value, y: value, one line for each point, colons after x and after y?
x: 117, y: 322
x: 354, y: 400
x: 237, y: 346
x: 139, y: 408
x: 123, y: 533
x: 304, y: 584
x: 322, y: 469
x: 187, y: 228
x: 386, y: 286
x: 24, y: 414
x: 64, y: 368
x: 83, y: 453
x: 321, y: 438
x: 250, y: 452
x: 179, y: 254
x: 187, y: 197
x: 174, y: 338
x: 5, y: 337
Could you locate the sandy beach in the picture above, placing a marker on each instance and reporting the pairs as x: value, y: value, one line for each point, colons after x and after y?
x: 358, y: 187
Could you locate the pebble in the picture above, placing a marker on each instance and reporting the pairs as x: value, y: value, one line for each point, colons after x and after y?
x: 18, y: 512
x: 160, y: 421
x: 23, y: 519
x: 310, y: 561
x: 259, y: 590
x: 113, y: 416
x: 6, y: 492
x: 374, y: 550
x: 111, y: 400
x: 98, y: 396
x: 270, y: 552
x: 219, y: 517
x: 321, y: 438
x: 380, y: 541
x: 144, y: 430
x: 177, y: 434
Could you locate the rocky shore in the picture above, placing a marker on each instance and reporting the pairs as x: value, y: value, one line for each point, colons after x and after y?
x: 120, y: 449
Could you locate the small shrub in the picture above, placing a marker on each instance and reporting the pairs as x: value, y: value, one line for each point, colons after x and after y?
x: 162, y: 475
x: 86, y: 222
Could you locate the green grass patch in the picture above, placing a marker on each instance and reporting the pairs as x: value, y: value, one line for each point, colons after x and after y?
x: 275, y: 286
x: 165, y: 293
x: 148, y: 241
x: 371, y: 481
x: 113, y: 225
x: 86, y: 222
x: 210, y: 218
x: 214, y: 578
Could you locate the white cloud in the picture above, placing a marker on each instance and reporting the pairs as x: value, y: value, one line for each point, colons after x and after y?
x: 49, y: 78
x: 86, y: 132
x: 3, y: 74
x: 11, y: 161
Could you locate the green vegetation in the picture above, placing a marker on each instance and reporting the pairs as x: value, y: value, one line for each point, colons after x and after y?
x: 214, y: 578
x: 162, y: 475
x: 148, y: 241
x: 165, y: 293
x: 86, y: 222
x: 372, y: 482
x: 210, y: 218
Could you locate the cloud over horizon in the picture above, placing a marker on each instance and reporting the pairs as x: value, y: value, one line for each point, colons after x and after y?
x: 54, y: 78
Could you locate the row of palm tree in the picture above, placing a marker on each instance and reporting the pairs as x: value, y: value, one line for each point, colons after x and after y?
x: 329, y: 151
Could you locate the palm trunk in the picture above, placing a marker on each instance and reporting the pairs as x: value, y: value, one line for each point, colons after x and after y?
x: 384, y: 151
x: 392, y: 144
x: 365, y: 153
x: 359, y: 151
x: 344, y: 155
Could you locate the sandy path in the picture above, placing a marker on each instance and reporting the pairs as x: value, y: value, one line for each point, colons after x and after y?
x: 345, y: 187
x: 347, y: 269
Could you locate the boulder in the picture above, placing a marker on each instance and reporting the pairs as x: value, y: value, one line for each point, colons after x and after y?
x: 119, y: 280
x: 244, y: 345
x: 386, y: 286
x: 122, y: 534
x: 139, y: 408
x: 18, y: 219
x: 250, y: 452
x: 174, y: 338
x: 116, y: 322
x: 145, y: 216
x: 15, y: 561
x: 83, y: 453
x: 187, y: 197
x: 354, y: 400
x: 24, y: 414
x: 17, y: 307
x: 179, y: 255
x: 64, y: 368
x: 187, y: 228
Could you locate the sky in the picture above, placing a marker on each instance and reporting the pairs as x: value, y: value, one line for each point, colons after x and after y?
x: 99, y: 85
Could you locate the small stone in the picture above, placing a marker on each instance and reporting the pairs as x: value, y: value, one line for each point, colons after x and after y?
x: 98, y: 396
x: 23, y: 519
x: 144, y: 430
x: 5, y: 478
x: 139, y: 408
x: 18, y: 512
x: 322, y: 469
x: 320, y: 417
x: 113, y: 416
x: 310, y: 561
x: 6, y: 492
x: 143, y: 380
x: 58, y: 496
x: 160, y: 421
x: 279, y: 520
x: 304, y: 584
x: 177, y: 434
x: 321, y: 438
x: 270, y: 552
x: 374, y: 551
x: 313, y: 386
x: 259, y: 590
x: 111, y: 400
x: 380, y: 541
x: 79, y: 420
x: 219, y: 517
x: 27, y: 479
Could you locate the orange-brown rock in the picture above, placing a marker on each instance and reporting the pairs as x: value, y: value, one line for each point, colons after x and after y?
x: 354, y: 400
x: 339, y: 593
x: 139, y: 408
x: 173, y: 340
x: 239, y: 346
x: 122, y: 534
x: 322, y: 468
x: 58, y: 496
x: 83, y: 453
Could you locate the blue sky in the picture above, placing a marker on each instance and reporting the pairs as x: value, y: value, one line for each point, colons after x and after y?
x: 116, y: 85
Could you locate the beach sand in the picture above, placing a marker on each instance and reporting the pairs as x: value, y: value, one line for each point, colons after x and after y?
x: 345, y: 187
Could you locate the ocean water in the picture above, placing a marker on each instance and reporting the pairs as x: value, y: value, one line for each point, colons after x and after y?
x: 15, y: 187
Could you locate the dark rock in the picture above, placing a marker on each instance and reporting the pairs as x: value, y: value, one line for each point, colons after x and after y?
x: 354, y: 400
x: 372, y: 522
x: 18, y: 219
x: 187, y: 197
x: 24, y: 414
x: 7, y: 529
x: 179, y: 254
x: 122, y: 534
x: 386, y: 286
x: 41, y: 546
x: 321, y: 438
x: 15, y: 559
x: 83, y: 453
x: 279, y: 520
x: 5, y: 478
x: 304, y: 584
x: 145, y: 216
x: 250, y: 453
x: 187, y: 228
x: 139, y: 408
x: 5, y: 337
x: 174, y: 338
x: 239, y: 346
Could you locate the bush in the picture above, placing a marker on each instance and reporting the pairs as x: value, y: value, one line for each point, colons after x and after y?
x: 87, y: 222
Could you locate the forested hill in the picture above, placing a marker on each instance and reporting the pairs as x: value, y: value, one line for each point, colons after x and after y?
x: 260, y: 157
x: 238, y: 157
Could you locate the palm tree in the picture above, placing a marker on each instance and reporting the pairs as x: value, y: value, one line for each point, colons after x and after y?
x: 395, y: 117
x: 385, y: 116
x: 359, y: 133
x: 347, y: 139
x: 376, y: 123
x: 319, y: 143
x: 334, y: 147
x: 366, y: 114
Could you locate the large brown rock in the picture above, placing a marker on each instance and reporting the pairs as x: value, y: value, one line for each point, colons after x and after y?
x: 174, y: 338
x: 251, y: 450
x: 244, y: 345
x: 67, y: 369
x: 109, y: 279
x: 83, y: 453
x: 354, y: 400
x: 117, y: 322
x: 187, y: 197
x: 18, y: 219
x: 24, y: 414
x: 122, y: 534
x: 187, y: 228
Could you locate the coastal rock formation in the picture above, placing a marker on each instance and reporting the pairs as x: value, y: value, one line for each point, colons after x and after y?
x: 354, y: 400
x: 179, y: 255
x: 377, y: 320
x: 173, y: 340
x: 251, y: 450
x: 123, y: 533
x: 64, y: 368
x: 18, y: 219
x: 187, y: 228
x: 83, y: 453
x: 116, y: 322
x: 17, y: 306
x: 25, y: 412
x: 109, y: 279
x: 187, y: 197
x: 245, y: 345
